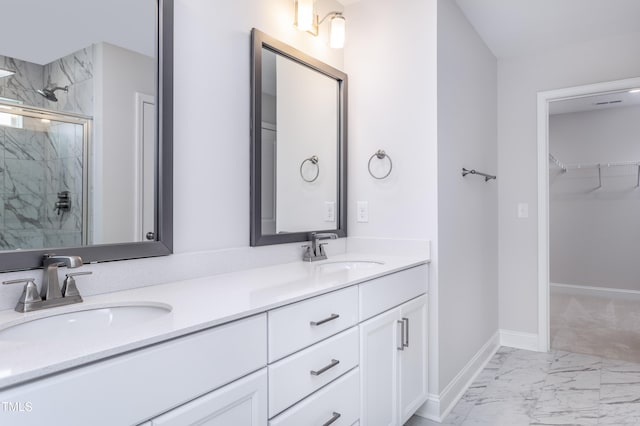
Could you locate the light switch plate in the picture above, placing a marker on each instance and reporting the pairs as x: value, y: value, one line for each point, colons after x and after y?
x: 523, y: 210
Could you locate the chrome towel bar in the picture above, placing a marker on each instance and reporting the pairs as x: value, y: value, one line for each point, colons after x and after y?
x: 473, y: 172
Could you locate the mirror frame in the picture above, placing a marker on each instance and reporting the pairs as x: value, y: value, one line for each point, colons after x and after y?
x: 260, y: 40
x: 163, y: 245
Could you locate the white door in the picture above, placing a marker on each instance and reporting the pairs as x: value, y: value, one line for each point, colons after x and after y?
x: 379, y: 342
x: 413, y: 357
x: 145, y: 168
x: 241, y: 403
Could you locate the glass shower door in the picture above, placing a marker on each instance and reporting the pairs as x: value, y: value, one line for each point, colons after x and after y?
x: 43, y: 178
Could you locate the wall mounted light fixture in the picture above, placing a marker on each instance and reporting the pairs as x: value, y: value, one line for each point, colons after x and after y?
x: 306, y: 19
x: 6, y: 73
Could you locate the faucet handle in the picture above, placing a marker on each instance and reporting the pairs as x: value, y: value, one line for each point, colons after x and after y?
x: 69, y: 288
x: 29, y: 293
x: 308, y: 253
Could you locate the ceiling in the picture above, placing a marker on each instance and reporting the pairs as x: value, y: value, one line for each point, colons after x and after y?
x: 42, y: 31
x: 516, y: 27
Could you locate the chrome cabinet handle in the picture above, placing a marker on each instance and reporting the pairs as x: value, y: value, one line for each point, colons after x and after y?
x: 333, y: 418
x: 333, y: 363
x: 330, y: 318
x: 406, y: 332
x: 400, y: 346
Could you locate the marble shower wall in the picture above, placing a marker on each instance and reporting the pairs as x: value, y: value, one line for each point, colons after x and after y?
x: 22, y: 85
x: 41, y: 159
x: 76, y: 72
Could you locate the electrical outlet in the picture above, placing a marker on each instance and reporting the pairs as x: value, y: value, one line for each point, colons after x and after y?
x: 362, y: 214
x: 330, y: 211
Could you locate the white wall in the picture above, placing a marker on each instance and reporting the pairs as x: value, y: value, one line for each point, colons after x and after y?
x: 594, y: 233
x: 467, y: 207
x: 390, y: 56
x: 120, y: 73
x: 519, y: 80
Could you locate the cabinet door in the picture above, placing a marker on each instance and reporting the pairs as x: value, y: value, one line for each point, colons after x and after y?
x: 379, y: 339
x: 241, y: 403
x: 413, y: 357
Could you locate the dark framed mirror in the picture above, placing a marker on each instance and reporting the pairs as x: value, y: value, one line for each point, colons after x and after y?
x: 298, y: 144
x: 86, y: 129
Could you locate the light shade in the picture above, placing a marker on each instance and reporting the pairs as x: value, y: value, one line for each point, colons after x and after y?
x: 337, y: 32
x: 305, y: 15
x: 6, y: 73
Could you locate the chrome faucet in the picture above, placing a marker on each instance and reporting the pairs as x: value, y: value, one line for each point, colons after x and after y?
x: 315, y: 250
x: 50, y: 293
x: 50, y: 285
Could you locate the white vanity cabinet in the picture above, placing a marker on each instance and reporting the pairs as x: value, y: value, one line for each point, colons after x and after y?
x: 241, y: 403
x: 393, y: 348
x: 136, y: 386
x: 356, y: 355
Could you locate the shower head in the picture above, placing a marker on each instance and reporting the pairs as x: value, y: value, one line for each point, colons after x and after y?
x: 50, y: 93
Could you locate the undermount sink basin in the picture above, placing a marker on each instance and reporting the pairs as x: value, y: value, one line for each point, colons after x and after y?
x: 347, y: 265
x: 91, y: 322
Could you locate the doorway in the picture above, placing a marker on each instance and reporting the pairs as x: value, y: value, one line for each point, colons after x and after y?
x: 588, y: 186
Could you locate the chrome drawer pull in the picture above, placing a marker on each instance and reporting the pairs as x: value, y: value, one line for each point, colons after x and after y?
x: 334, y: 362
x: 406, y: 332
x: 400, y: 346
x: 335, y: 417
x: 331, y: 318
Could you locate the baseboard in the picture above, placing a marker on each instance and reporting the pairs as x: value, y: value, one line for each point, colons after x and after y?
x: 430, y: 409
x: 598, y: 291
x: 438, y: 407
x: 519, y: 340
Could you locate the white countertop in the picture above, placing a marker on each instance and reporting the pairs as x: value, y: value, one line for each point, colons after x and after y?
x: 196, y: 304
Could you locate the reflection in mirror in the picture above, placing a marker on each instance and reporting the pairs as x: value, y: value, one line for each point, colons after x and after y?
x: 82, y: 146
x: 298, y: 144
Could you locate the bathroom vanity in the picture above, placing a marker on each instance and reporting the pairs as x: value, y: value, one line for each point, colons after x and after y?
x: 339, y: 342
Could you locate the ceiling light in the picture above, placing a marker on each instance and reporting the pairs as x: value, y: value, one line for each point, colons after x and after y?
x: 634, y: 91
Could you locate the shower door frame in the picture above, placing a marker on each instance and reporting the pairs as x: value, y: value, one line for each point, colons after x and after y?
x: 64, y: 117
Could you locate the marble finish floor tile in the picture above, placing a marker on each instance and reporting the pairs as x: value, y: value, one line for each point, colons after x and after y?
x: 523, y: 388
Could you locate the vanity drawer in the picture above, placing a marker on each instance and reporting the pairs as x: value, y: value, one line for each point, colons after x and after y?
x: 295, y: 377
x: 302, y: 324
x: 384, y: 293
x: 340, y: 399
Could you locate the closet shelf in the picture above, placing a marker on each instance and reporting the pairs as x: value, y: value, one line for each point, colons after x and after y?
x: 577, y: 166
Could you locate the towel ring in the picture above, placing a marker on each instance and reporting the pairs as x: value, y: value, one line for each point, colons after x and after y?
x: 381, y: 155
x: 314, y: 161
